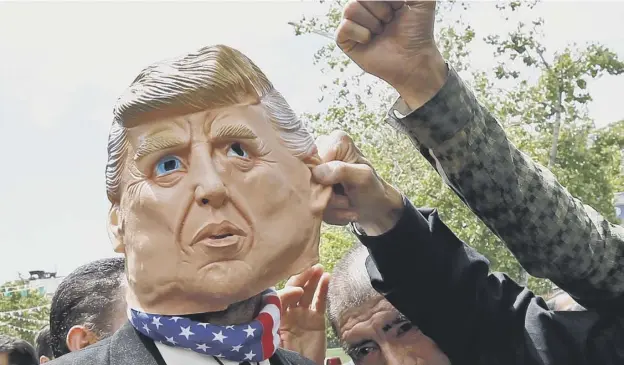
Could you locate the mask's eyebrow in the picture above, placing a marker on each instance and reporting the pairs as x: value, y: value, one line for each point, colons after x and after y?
x: 234, y: 131
x: 156, y: 142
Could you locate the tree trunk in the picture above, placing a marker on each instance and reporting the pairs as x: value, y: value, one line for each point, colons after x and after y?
x: 556, y: 130
x: 555, y: 141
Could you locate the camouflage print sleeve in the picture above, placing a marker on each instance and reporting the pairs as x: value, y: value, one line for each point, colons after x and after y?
x: 551, y: 233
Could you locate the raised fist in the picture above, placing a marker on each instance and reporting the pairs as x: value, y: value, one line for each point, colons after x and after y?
x: 392, y: 40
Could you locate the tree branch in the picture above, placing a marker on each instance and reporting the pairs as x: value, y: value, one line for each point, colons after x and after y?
x: 540, y: 53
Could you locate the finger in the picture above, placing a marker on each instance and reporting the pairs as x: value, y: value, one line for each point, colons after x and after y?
x: 340, y: 217
x: 338, y: 172
x: 326, y: 148
x: 338, y: 202
x: 339, y: 146
x: 290, y: 296
x: 358, y: 13
x: 379, y: 9
x: 300, y: 279
x: 349, y: 34
x: 309, y: 289
x: 320, y: 297
x: 396, y: 5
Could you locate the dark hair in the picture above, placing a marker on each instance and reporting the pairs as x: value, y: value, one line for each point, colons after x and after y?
x: 89, y: 297
x: 20, y: 352
x: 42, y: 343
x: 350, y: 285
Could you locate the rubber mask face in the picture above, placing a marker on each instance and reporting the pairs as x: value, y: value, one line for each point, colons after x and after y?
x: 214, y: 210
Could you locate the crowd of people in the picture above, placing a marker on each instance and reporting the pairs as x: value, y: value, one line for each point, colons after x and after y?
x: 89, y: 305
x: 409, y: 293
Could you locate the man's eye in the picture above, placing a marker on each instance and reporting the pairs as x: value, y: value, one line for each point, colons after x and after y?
x: 405, y: 327
x: 167, y: 165
x: 237, y: 150
x: 363, y: 352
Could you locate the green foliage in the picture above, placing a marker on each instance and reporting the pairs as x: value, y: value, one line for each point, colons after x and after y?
x: 608, y: 147
x: 561, y: 92
x: 337, y: 352
x: 16, y: 322
x: 545, y: 117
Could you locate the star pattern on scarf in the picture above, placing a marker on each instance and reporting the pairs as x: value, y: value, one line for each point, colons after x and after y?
x: 254, y: 341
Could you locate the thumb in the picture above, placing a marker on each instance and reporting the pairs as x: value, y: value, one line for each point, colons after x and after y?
x: 339, y: 172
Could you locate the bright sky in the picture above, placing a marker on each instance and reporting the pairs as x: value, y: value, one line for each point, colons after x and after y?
x: 63, y: 65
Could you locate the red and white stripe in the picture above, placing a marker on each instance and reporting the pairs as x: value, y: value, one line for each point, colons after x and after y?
x: 269, y: 317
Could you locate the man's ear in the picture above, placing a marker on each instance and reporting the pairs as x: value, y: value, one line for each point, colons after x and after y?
x: 320, y: 194
x: 79, y: 337
x: 115, y: 229
x: 43, y: 359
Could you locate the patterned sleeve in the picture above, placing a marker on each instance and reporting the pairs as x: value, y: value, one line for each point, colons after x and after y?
x: 551, y: 233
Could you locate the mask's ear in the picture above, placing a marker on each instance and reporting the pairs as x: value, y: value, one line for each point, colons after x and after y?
x: 320, y: 194
x: 79, y: 337
x: 115, y: 229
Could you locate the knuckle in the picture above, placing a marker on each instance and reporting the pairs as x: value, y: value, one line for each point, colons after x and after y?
x: 337, y: 134
x: 369, y: 173
x: 350, y: 10
x: 340, y: 169
x: 385, y: 12
x: 343, y: 138
x: 341, y: 35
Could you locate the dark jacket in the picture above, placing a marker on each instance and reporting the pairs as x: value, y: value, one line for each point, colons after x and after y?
x: 129, y: 347
x: 443, y: 287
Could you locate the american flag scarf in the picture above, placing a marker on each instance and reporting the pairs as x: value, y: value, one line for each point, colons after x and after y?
x: 255, y: 341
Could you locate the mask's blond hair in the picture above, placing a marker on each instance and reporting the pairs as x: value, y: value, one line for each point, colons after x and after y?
x: 213, y: 77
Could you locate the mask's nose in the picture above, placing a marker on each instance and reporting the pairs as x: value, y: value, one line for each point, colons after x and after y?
x: 209, y: 189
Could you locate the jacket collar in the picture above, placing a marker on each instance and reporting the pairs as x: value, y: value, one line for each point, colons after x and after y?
x: 130, y: 347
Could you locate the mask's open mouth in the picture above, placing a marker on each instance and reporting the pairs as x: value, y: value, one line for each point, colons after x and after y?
x: 221, y: 236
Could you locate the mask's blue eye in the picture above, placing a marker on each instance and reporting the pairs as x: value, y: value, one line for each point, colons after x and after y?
x: 167, y: 165
x: 237, y: 150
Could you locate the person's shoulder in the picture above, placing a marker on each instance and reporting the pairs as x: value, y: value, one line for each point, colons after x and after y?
x: 293, y: 358
x: 96, y: 354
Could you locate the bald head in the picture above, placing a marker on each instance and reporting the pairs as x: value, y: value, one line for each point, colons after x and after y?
x: 350, y: 285
x: 369, y: 328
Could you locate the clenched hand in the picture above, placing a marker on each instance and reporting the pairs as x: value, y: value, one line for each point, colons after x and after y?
x: 394, y: 41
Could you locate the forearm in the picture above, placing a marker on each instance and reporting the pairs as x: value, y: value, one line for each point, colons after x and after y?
x: 552, y: 234
x: 443, y: 287
x: 431, y: 277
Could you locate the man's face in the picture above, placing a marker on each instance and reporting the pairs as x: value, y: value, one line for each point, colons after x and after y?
x: 214, y: 210
x: 377, y: 334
